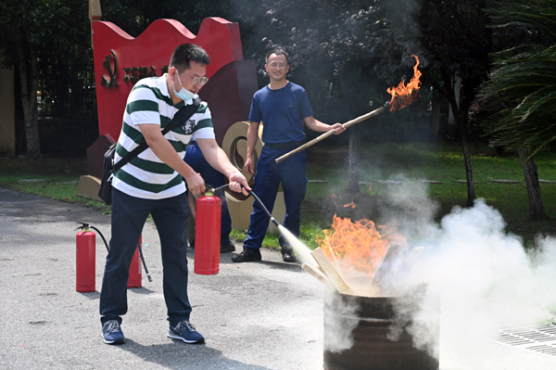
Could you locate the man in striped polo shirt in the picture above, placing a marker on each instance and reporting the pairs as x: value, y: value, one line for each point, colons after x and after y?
x: 152, y: 184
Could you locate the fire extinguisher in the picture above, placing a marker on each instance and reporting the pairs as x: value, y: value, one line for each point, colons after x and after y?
x: 85, y: 262
x: 134, y: 279
x: 207, y: 233
x: 135, y: 267
x: 85, y: 266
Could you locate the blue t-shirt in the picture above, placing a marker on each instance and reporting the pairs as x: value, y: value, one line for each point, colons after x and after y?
x: 282, y: 112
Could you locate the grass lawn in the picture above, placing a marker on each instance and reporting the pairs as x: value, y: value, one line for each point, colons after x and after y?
x: 399, y: 163
x: 60, y: 177
x: 438, y: 163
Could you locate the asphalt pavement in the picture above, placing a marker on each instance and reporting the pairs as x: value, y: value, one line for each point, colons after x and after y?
x: 258, y: 316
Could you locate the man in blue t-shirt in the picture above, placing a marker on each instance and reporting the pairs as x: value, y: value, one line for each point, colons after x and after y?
x: 282, y: 106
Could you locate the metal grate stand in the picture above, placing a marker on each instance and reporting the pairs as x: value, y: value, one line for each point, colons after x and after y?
x: 540, y: 339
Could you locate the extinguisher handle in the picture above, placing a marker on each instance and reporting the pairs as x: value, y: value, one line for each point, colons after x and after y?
x: 83, y: 226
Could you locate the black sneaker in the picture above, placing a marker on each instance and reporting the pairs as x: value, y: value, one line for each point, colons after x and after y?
x: 227, y: 247
x: 248, y: 255
x: 112, y: 333
x: 186, y: 332
x: 288, y: 255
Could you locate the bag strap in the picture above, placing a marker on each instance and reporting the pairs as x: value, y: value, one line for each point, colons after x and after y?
x: 181, y: 116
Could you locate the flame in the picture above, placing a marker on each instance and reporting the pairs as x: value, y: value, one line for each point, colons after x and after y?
x: 350, y: 205
x: 403, y: 95
x: 359, y: 245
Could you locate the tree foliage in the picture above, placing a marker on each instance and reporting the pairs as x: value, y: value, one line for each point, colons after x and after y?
x: 523, y: 82
x: 27, y: 27
x: 345, y: 54
x: 48, y: 44
x: 365, y: 43
x: 134, y: 16
x: 457, y: 44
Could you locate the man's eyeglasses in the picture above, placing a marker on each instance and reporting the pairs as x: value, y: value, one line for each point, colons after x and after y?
x: 197, y: 81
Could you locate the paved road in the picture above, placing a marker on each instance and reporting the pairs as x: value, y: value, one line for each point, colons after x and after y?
x: 255, y: 316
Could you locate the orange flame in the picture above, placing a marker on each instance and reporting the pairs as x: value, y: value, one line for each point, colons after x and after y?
x: 350, y: 205
x: 359, y: 245
x: 403, y: 95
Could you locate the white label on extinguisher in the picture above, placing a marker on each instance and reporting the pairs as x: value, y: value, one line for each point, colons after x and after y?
x: 139, y: 262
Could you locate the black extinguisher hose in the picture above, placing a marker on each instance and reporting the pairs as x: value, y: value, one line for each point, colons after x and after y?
x: 85, y: 226
x: 223, y: 187
x: 102, y: 236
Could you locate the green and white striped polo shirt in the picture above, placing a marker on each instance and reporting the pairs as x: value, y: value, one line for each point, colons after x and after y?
x: 146, y: 176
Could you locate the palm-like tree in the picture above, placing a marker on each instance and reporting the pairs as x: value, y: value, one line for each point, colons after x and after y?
x: 523, y: 85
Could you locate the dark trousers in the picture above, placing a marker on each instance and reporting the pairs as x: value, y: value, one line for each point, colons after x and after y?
x: 128, y: 218
x: 269, y: 175
x: 195, y: 159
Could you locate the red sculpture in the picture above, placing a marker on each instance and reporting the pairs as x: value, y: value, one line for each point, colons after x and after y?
x: 121, y: 60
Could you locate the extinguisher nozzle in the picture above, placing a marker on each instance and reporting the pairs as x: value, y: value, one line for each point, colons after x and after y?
x: 214, y: 190
x: 144, y: 264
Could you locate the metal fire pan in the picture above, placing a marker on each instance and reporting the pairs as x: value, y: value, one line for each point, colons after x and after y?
x: 374, y: 346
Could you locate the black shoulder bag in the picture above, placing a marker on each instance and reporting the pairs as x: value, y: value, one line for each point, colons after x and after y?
x: 109, y: 168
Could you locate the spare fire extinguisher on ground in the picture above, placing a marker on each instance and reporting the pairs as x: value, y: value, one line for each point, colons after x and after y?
x: 85, y: 258
x: 207, y: 233
x: 85, y: 265
x: 134, y: 279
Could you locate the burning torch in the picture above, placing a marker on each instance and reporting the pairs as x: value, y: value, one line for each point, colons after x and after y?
x: 402, y: 96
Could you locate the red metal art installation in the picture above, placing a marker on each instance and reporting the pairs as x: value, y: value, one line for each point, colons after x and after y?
x: 121, y: 60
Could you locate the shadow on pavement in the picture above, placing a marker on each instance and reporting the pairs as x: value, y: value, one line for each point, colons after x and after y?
x: 91, y: 295
x: 141, y: 290
x: 178, y: 355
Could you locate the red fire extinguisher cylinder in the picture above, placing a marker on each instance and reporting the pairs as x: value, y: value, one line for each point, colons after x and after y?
x: 85, y: 260
x: 134, y: 279
x: 207, y: 234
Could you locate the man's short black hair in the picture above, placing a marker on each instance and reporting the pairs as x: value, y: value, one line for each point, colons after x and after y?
x: 277, y: 51
x: 185, y: 53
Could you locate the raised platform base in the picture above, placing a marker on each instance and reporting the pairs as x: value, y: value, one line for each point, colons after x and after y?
x: 88, y: 187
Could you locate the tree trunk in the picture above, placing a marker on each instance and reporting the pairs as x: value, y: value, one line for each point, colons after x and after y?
x: 434, y: 125
x: 353, y: 159
x: 468, y: 169
x: 461, y: 121
x: 354, y: 140
x: 536, y: 207
x: 28, y: 81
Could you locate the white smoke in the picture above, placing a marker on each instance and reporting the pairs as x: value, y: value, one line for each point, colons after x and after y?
x: 479, y: 279
x: 410, y: 210
x: 340, y: 318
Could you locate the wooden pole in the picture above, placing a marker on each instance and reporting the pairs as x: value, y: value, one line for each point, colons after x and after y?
x: 359, y: 119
